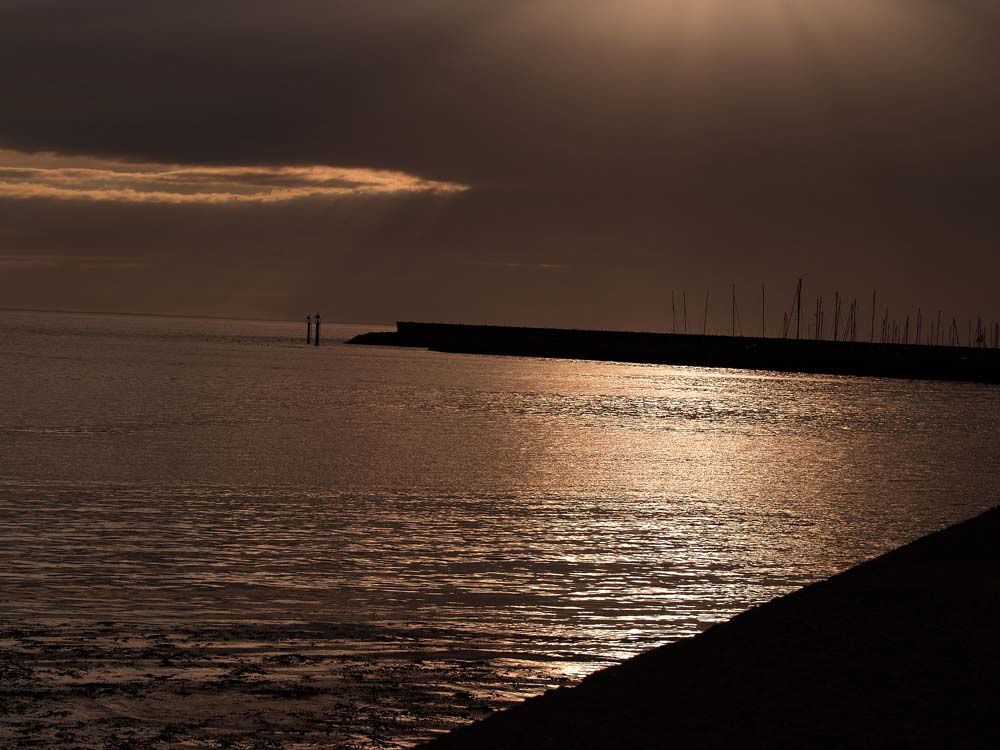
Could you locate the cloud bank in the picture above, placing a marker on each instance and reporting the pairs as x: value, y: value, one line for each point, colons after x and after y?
x: 256, y: 154
x: 44, y: 176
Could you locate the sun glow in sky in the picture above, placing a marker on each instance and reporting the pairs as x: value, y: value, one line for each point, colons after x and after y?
x: 550, y: 162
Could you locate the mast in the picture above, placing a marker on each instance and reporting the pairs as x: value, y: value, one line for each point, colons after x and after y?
x: 872, y: 339
x: 734, y: 312
x: 836, y: 314
x: 798, y: 310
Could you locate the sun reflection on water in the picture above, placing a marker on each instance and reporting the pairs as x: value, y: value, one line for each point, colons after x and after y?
x: 516, y: 522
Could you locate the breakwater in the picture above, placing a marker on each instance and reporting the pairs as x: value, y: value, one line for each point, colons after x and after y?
x: 976, y: 364
x: 900, y: 651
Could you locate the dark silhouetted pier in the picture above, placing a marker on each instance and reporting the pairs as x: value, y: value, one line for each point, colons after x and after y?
x: 896, y: 360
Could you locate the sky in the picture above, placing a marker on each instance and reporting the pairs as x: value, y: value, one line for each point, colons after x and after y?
x: 542, y: 162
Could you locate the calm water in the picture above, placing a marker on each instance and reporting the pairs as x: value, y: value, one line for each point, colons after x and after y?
x: 550, y: 514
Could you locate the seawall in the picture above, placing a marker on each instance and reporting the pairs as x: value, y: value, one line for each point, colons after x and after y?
x: 976, y: 364
x: 901, y: 651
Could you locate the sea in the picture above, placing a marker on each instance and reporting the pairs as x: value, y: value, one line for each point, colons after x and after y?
x: 215, y: 535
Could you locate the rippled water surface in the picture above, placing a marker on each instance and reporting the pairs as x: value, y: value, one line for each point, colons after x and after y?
x: 474, y: 529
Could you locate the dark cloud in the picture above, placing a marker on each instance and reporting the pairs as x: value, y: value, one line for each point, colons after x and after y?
x: 643, y: 145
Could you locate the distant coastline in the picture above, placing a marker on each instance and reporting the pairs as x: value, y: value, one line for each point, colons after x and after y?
x: 912, y: 361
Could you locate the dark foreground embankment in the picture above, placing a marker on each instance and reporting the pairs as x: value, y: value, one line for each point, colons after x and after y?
x: 977, y: 364
x: 902, y: 651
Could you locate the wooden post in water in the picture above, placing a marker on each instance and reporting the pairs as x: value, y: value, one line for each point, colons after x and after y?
x: 704, y: 324
x: 317, y: 329
x: 309, y: 328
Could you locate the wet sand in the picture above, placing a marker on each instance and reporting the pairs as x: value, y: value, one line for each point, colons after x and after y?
x: 901, y: 651
x: 119, y: 686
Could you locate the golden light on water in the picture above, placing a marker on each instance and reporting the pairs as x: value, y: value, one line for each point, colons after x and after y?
x: 496, y: 525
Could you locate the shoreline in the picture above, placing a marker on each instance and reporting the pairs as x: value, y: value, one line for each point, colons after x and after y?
x: 908, y: 361
x: 898, y: 651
